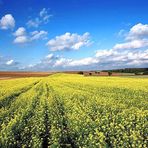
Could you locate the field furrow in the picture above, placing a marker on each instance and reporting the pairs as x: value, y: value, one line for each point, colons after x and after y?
x: 7, y: 100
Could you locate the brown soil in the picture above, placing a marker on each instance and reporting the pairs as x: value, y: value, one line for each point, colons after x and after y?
x: 12, y: 75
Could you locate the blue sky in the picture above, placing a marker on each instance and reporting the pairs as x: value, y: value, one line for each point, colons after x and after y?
x: 73, y: 34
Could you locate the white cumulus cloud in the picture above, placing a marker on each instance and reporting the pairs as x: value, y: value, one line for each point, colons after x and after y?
x: 136, y: 38
x: 138, y: 31
x: 20, y: 31
x: 7, y: 22
x: 69, y: 41
x: 134, y: 44
x: 9, y: 62
x: 39, y: 35
x: 22, y: 37
x: 50, y: 56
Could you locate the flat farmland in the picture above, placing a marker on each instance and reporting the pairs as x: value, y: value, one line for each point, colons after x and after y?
x: 11, y: 75
x: 70, y: 110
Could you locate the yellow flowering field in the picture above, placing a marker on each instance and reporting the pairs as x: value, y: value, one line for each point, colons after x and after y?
x: 73, y: 111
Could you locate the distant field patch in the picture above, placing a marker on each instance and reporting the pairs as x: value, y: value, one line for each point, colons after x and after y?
x: 10, y: 75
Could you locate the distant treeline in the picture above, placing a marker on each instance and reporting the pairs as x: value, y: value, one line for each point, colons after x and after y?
x: 129, y: 70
